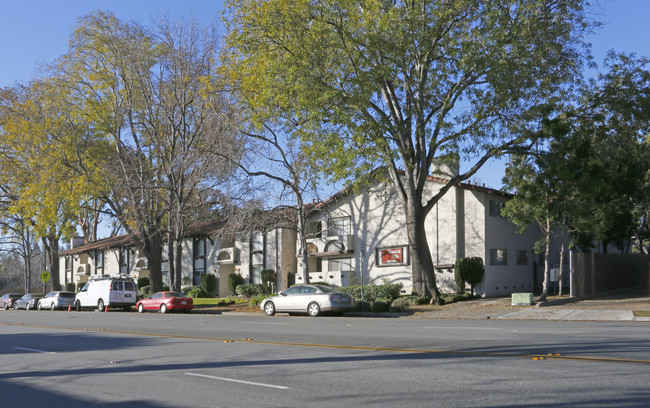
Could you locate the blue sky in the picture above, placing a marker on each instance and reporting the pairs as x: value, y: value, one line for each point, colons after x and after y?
x: 35, y: 32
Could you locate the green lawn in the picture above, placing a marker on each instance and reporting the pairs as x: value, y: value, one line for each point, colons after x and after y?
x: 642, y: 313
x: 217, y: 301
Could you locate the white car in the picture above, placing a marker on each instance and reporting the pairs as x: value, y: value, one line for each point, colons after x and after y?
x: 56, y: 300
x: 104, y: 291
x: 310, y: 299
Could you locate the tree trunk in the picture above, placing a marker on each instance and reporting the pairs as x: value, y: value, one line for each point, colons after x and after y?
x: 171, y: 265
x: 178, y: 259
x: 51, y: 248
x: 153, y: 251
x: 303, y: 265
x: 561, y: 260
x: 547, y: 270
x: 424, y: 283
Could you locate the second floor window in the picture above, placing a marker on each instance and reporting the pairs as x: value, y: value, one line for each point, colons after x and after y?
x: 498, y: 257
x: 99, y: 262
x: 496, y: 207
x: 338, y: 227
x: 314, y: 230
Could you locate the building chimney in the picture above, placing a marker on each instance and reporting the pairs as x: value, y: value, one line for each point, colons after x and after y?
x: 77, y: 242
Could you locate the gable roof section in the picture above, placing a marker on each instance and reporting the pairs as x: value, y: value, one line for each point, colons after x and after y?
x: 112, y: 242
x: 466, y: 186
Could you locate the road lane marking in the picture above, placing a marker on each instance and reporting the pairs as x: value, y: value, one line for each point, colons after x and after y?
x: 266, y: 324
x: 352, y: 347
x: 462, y: 328
x: 35, y: 350
x: 212, y: 377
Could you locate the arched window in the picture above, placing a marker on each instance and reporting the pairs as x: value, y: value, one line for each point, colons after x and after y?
x: 334, y: 246
x: 223, y: 256
x: 312, y: 248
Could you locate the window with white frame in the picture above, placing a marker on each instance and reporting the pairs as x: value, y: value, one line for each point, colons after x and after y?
x: 257, y: 257
x: 257, y: 242
x: 339, y: 265
x: 338, y: 226
x: 199, y: 258
x: 124, y: 261
x: 498, y: 257
x: 99, y: 262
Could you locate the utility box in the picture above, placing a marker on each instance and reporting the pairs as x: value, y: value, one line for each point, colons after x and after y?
x: 522, y: 299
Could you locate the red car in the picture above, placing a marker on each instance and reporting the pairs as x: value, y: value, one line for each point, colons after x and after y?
x: 7, y: 301
x: 166, y: 302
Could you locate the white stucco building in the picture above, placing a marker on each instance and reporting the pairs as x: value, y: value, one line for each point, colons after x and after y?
x: 352, y: 238
x: 362, y: 237
x: 203, y: 252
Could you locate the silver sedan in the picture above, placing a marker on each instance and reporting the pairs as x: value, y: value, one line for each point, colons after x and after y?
x: 310, y: 299
x: 57, y: 300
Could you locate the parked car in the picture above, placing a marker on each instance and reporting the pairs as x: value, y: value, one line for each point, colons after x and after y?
x: 310, y: 299
x: 27, y: 302
x: 166, y: 302
x: 7, y: 301
x: 56, y: 300
x: 107, y: 291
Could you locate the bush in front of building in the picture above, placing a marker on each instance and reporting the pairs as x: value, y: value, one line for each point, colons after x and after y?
x: 269, y: 277
x: 208, y: 284
x: 257, y: 300
x: 470, y: 270
x: 145, y: 290
x: 372, y: 292
x: 403, y: 303
x: 251, y: 290
x: 144, y: 281
x: 70, y: 287
x: 381, y: 305
x: 234, y: 280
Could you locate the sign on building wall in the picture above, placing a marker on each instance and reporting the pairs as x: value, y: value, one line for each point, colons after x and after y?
x: 392, y: 256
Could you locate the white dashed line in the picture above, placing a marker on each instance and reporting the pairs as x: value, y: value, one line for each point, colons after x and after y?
x: 212, y: 377
x: 35, y: 350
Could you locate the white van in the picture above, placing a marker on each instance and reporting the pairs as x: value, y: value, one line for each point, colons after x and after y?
x: 107, y: 291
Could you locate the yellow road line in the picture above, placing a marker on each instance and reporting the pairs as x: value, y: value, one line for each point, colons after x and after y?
x: 555, y: 356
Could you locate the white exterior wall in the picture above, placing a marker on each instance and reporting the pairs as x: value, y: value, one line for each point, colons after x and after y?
x: 459, y: 225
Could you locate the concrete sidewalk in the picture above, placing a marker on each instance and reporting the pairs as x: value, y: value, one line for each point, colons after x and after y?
x: 615, y: 307
x: 555, y: 313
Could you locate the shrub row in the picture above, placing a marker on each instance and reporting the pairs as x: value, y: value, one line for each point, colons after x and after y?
x: 251, y: 290
x: 371, y: 293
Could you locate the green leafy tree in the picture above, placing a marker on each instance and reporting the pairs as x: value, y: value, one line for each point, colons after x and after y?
x: 401, y: 84
x: 590, y: 175
x: 36, y: 145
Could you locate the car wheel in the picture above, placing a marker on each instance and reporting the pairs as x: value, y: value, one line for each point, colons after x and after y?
x: 6, y: 306
x: 163, y: 309
x: 269, y: 308
x: 52, y: 307
x: 100, y: 305
x: 39, y: 307
x: 27, y: 307
x: 313, y: 309
x: 140, y: 308
x: 15, y: 306
x: 77, y: 306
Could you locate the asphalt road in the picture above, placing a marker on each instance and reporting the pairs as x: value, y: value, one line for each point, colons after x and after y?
x: 151, y: 360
